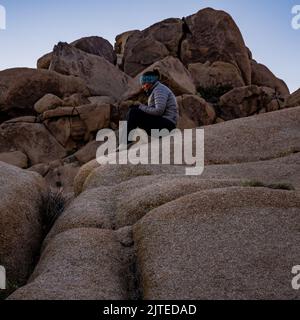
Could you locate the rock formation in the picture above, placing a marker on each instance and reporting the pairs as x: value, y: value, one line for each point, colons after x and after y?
x: 206, y: 230
x: 93, y: 45
x: 21, y: 88
x: 213, y: 36
x: 293, y: 100
x: 149, y: 231
x: 101, y: 77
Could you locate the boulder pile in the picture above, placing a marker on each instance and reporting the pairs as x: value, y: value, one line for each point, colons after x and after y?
x: 49, y: 116
x: 150, y: 231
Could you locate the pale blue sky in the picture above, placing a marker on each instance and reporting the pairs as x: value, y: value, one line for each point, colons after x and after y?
x: 34, y: 26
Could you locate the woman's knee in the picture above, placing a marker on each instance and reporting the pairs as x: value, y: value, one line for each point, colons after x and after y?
x: 134, y: 113
x: 133, y: 110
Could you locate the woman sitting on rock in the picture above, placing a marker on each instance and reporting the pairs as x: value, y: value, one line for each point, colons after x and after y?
x: 161, y: 111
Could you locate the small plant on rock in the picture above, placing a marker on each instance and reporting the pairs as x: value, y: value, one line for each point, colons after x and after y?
x: 276, y: 186
x: 54, y: 204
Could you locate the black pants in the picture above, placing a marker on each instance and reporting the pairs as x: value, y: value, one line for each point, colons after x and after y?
x: 136, y: 118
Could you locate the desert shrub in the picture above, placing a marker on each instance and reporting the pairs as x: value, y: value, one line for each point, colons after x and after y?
x: 259, y: 184
x: 10, y: 288
x: 53, y: 206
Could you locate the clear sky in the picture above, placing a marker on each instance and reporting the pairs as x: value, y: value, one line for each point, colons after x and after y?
x: 34, y: 26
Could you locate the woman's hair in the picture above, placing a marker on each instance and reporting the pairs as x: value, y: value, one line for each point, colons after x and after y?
x: 150, y: 77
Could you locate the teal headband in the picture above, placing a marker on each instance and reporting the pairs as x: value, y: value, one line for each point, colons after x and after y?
x: 148, y: 79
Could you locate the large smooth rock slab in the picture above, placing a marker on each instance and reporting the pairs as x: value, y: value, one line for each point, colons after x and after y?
x: 124, y: 204
x: 261, y: 137
x: 80, y: 264
x: 279, y: 171
x: 233, y: 243
x: 21, y: 210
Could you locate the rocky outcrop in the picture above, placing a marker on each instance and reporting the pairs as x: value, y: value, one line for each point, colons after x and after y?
x: 22, y: 197
x: 97, y: 46
x: 213, y: 36
x: 93, y: 45
x: 21, y: 88
x: 101, y: 77
x: 146, y: 47
x: 208, y: 36
x: 210, y: 45
x: 191, y: 63
x: 263, y: 77
x: 214, y: 57
x: 149, y: 231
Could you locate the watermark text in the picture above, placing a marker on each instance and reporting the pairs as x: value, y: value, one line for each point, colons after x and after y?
x: 2, y: 17
x: 296, y: 18
x: 296, y: 279
x: 165, y: 148
x: 2, y: 278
